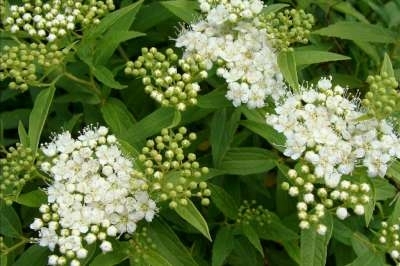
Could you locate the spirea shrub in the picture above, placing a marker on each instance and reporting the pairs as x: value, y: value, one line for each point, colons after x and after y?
x: 209, y: 132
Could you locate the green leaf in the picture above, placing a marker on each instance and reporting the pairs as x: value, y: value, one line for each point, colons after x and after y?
x: 33, y: 199
x: 168, y: 244
x: 370, y: 49
x: 9, y: 221
x: 118, y: 255
x: 358, y: 31
x: 154, y: 258
x: 23, y: 135
x: 313, y: 247
x: 11, y: 118
x: 105, y: 76
x: 394, y: 217
x: 224, y: 202
x: 34, y: 255
x: 387, y: 66
x: 267, y: 132
x: 38, y: 116
x: 150, y: 125
x: 287, y: 65
x: 347, y: 8
x: 110, y: 42
x: 223, y: 129
x: 369, y: 259
x: 190, y: 213
x: 185, y: 10
x: 253, y: 238
x: 361, y: 244
x: 308, y: 57
x: 273, y: 229
x: 117, y: 115
x: 273, y: 8
x: 222, y: 246
x: 214, y: 100
x: 383, y: 189
x: 247, y: 161
x: 110, y: 19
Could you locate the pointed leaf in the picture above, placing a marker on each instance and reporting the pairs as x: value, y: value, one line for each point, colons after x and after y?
x: 23, y: 135
x: 105, y: 76
x: 185, y: 10
x: 253, y: 238
x: 34, y: 255
x: 224, y: 201
x: 222, y: 246
x: 287, y: 65
x: 38, y: 116
x: 358, y: 31
x: 308, y: 57
x: 314, y: 247
x: 34, y: 198
x: 194, y: 217
x: 9, y: 221
x: 387, y: 66
x: 153, y: 258
x: 117, y: 115
x: 267, y: 132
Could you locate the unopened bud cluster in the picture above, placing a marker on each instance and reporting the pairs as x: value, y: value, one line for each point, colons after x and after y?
x: 54, y: 19
x: 287, y: 27
x: 167, y: 79
x: 382, y: 99
x: 16, y: 168
x: 252, y: 214
x: 314, y: 200
x: 174, y: 175
x: 141, y: 243
x: 389, y: 238
x: 22, y: 63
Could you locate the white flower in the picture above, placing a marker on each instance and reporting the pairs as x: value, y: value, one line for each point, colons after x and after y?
x: 359, y: 209
x: 106, y: 246
x: 342, y: 213
x: 52, y: 260
x: 321, y: 229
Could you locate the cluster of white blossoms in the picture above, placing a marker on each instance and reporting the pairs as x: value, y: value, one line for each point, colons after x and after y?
x: 93, y: 195
x: 232, y: 35
x: 330, y: 131
x: 389, y: 238
x: 55, y: 18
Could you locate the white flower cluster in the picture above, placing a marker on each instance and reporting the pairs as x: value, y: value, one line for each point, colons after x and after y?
x: 55, y: 18
x: 329, y: 131
x: 231, y: 35
x: 93, y: 195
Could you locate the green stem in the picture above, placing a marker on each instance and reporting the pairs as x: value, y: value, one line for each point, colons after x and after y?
x: 19, y: 244
x: 89, y: 84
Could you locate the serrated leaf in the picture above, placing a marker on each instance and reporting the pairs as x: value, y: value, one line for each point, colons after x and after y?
x: 222, y: 246
x: 190, y: 214
x: 38, y: 116
x: 224, y: 202
x: 267, y: 132
x: 105, y: 76
x: 34, y: 255
x: 253, y: 238
x: 247, y: 161
x: 358, y: 31
x: 168, y: 244
x: 34, y: 198
x: 308, y: 57
x: 314, y: 247
x: 185, y: 10
x: 287, y: 65
x: 9, y: 221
